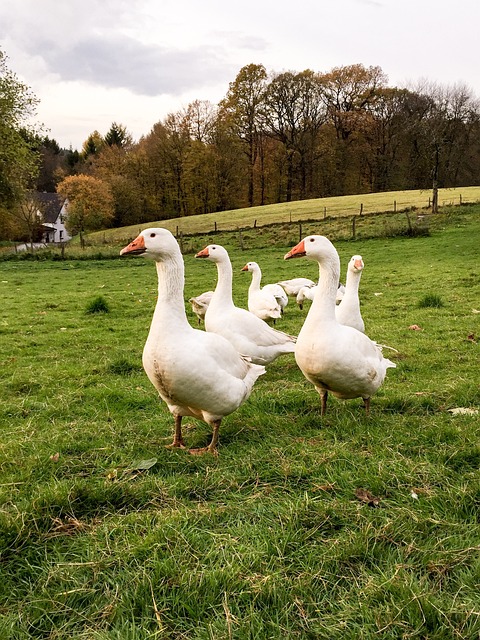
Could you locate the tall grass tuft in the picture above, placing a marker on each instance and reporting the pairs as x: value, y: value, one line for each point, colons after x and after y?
x: 431, y: 300
x: 98, y: 305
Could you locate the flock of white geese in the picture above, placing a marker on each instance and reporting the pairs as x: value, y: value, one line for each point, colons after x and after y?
x: 209, y: 374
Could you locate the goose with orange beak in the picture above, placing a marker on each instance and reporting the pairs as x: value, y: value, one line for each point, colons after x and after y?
x: 334, y: 357
x: 248, y: 333
x: 196, y: 373
x: 348, y: 311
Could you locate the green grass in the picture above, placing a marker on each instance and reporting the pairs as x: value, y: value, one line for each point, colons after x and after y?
x: 431, y: 300
x: 318, y: 209
x: 269, y: 540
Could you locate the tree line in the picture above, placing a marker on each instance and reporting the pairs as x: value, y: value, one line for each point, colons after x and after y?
x: 274, y: 137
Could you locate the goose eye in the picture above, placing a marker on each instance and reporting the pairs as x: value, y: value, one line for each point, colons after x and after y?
x: 312, y: 239
x: 152, y: 235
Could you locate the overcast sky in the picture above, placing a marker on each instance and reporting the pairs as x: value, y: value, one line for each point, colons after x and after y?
x: 94, y: 62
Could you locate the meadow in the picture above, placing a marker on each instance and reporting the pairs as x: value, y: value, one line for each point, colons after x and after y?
x: 347, y: 526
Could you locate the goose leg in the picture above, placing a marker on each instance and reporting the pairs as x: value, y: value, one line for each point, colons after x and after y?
x: 324, y: 396
x: 366, y: 404
x: 177, y: 435
x: 212, y: 447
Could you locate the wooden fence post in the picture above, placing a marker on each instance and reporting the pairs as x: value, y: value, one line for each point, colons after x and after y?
x: 409, y: 222
x: 394, y: 206
x: 361, y: 208
x: 324, y: 212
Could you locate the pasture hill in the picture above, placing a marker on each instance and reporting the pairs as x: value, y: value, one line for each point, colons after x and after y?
x: 338, y: 527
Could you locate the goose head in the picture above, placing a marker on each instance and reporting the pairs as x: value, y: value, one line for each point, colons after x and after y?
x: 250, y: 266
x: 313, y: 247
x: 213, y: 252
x: 156, y: 243
x: 356, y: 264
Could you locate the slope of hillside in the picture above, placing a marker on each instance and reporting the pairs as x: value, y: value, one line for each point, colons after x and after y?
x: 297, y: 211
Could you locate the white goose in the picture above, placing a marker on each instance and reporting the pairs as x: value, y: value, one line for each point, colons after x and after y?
x: 250, y: 335
x: 293, y: 286
x: 200, y: 303
x: 308, y: 293
x: 348, y: 311
x: 332, y: 356
x: 265, y: 302
x: 196, y: 373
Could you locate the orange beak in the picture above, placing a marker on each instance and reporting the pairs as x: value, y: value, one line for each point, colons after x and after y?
x: 245, y: 268
x: 298, y: 251
x: 358, y: 264
x: 203, y: 253
x: 135, y: 247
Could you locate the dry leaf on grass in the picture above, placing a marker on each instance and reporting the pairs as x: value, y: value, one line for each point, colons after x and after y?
x: 365, y: 496
x: 415, y: 327
x: 463, y: 411
x: 138, y: 467
x: 67, y: 527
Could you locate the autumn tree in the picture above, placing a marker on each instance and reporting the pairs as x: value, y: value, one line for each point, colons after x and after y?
x: 448, y: 129
x: 90, y: 203
x: 348, y: 92
x: 243, y: 107
x: 18, y: 158
x: 93, y: 145
x: 29, y: 218
x: 118, y: 136
x: 293, y: 114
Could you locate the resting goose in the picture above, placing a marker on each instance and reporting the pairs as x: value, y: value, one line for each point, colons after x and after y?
x: 265, y: 302
x: 200, y: 304
x: 348, y: 311
x: 293, y: 286
x: 250, y: 335
x: 332, y: 356
x: 196, y: 373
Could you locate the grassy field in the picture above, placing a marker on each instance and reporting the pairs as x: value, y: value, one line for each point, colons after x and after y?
x: 317, y: 209
x: 347, y: 527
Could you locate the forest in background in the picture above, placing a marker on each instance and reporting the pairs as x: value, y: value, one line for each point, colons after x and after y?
x: 275, y: 137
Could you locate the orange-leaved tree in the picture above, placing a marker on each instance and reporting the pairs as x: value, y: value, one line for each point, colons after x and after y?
x: 90, y: 203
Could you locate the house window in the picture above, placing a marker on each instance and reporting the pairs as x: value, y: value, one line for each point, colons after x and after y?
x: 60, y: 235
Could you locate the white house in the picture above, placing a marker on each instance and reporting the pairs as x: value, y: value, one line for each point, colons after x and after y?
x: 54, y: 213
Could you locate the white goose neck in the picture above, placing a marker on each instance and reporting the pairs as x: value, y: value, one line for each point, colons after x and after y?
x: 170, y: 303
x: 223, y: 290
x: 352, y: 283
x: 323, y: 305
x: 256, y: 279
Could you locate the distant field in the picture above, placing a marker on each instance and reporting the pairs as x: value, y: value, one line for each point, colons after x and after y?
x: 296, y: 211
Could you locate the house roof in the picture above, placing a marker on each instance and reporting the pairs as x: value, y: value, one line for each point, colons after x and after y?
x: 51, y: 204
